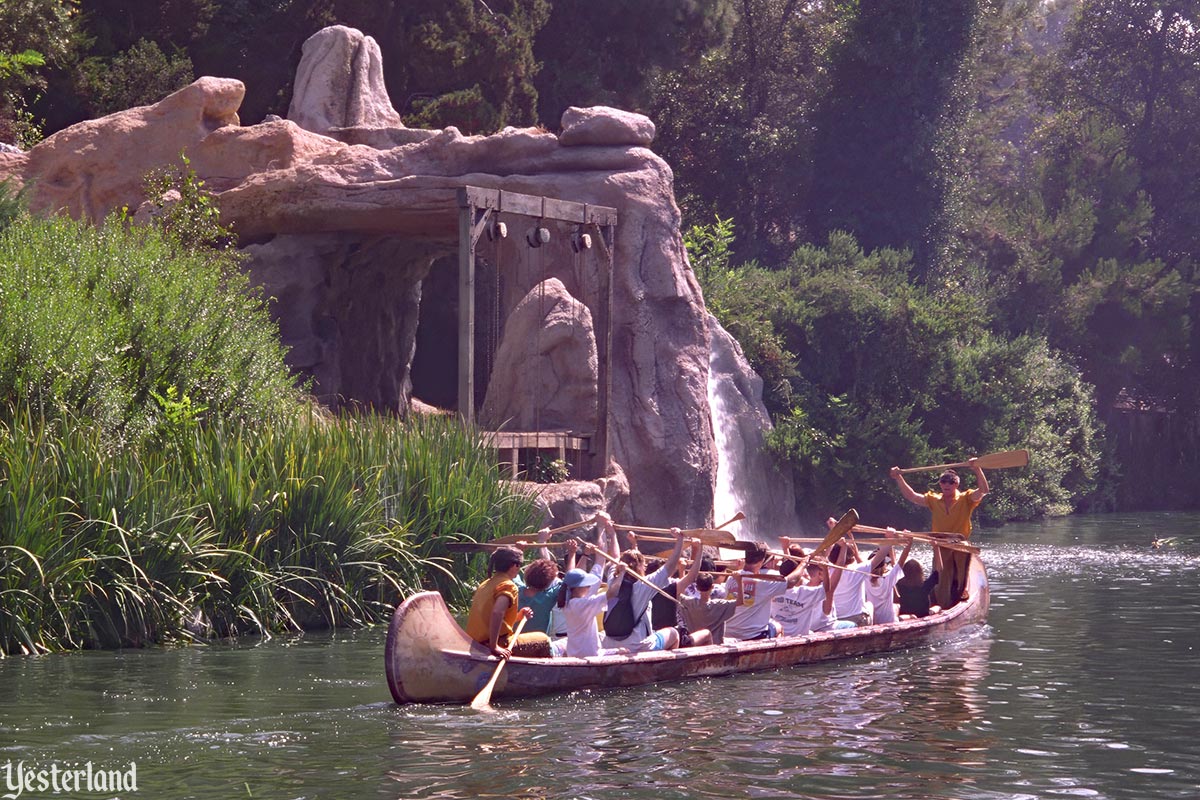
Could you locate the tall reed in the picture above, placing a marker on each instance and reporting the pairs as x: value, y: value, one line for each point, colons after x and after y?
x: 232, y: 529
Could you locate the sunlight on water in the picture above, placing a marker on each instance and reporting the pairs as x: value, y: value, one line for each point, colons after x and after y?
x: 1082, y: 686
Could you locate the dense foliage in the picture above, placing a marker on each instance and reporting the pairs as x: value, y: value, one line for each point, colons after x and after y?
x: 866, y: 369
x: 1021, y: 174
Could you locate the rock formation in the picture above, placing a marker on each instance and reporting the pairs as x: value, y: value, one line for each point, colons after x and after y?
x: 545, y: 370
x: 353, y: 240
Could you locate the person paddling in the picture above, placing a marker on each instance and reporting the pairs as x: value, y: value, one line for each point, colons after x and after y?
x: 951, y: 511
x: 495, y: 611
x: 627, y: 623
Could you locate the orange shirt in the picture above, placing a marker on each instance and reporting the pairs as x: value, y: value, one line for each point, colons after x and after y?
x: 958, y: 520
x: 479, y: 620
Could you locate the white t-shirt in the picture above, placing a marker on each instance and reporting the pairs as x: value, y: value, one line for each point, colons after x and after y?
x: 583, y: 634
x: 883, y: 596
x: 800, y: 610
x: 754, y: 614
x: 848, y: 596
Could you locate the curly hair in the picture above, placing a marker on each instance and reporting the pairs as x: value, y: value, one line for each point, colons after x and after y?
x: 540, y: 574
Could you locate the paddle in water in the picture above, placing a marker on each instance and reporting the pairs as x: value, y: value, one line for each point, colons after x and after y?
x: 483, y: 700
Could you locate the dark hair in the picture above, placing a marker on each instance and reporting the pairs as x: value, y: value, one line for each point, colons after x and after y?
x: 756, y: 553
x: 835, y: 553
x: 704, y: 582
x: 503, y: 559
x: 912, y: 571
x: 707, y: 565
x: 634, y: 560
x: 541, y: 573
x: 564, y: 594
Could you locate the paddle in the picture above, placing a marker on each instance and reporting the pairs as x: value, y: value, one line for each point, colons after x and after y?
x: 483, y: 700
x: 529, y: 537
x: 937, y: 536
x: 1005, y: 460
x: 475, y: 547
x: 731, y: 544
x: 840, y: 529
x: 778, y: 554
x: 714, y: 533
x: 641, y: 578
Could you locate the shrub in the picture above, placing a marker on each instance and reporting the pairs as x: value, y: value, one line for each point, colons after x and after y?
x: 97, y: 321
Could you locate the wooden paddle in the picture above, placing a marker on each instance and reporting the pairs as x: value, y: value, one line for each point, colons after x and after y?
x: 530, y: 537
x: 641, y: 578
x: 826, y: 562
x: 840, y: 529
x: 483, y: 700
x: 715, y: 533
x: 731, y: 544
x: 937, y: 536
x: 476, y: 547
x: 1005, y: 460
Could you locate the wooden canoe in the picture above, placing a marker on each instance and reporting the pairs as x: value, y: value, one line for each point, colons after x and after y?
x: 430, y: 659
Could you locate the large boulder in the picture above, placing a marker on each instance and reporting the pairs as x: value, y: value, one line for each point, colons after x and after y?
x: 350, y: 237
x: 545, y: 372
x: 339, y: 83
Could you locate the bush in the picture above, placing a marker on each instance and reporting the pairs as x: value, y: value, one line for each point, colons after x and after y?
x: 881, y: 371
x: 98, y: 321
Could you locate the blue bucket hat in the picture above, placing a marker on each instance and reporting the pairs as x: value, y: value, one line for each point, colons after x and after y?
x: 577, y: 577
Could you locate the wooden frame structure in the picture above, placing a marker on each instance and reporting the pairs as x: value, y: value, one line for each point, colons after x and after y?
x: 477, y: 209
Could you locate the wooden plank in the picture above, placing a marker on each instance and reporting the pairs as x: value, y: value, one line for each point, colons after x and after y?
x: 564, y: 210
x: 516, y: 203
x: 466, y: 315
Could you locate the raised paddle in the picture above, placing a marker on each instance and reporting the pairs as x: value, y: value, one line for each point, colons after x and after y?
x: 716, y: 533
x: 840, y: 529
x: 927, y: 535
x: 641, y: 578
x: 475, y: 547
x: 529, y: 537
x: 483, y: 700
x: 1005, y: 460
x: 730, y: 543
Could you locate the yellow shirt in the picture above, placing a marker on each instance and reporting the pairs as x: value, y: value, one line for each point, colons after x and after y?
x: 479, y: 620
x: 958, y: 520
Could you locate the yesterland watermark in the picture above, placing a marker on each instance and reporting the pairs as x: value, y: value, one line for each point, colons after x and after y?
x: 21, y: 779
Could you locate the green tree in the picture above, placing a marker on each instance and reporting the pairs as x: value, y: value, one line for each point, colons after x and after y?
x: 889, y: 121
x: 736, y: 124
x: 612, y: 53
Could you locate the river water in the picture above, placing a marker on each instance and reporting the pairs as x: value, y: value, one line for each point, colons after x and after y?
x: 1084, y: 684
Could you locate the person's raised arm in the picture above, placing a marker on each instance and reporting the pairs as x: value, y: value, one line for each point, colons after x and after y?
x: 906, y: 490
x: 543, y: 537
x: 673, y: 559
x: 614, y: 583
x: 830, y: 584
x: 690, y: 577
x: 572, y: 548
x: 981, y: 489
x: 904, y: 553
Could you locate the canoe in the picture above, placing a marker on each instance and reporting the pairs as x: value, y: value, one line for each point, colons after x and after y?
x: 430, y: 659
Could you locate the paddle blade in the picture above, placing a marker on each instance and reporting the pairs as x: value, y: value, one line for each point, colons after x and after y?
x: 843, y: 527
x: 1011, y: 458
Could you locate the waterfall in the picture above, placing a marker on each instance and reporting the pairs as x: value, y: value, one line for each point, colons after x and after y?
x: 747, y: 477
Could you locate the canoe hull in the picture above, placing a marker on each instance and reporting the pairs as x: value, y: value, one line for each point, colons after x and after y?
x: 430, y: 659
